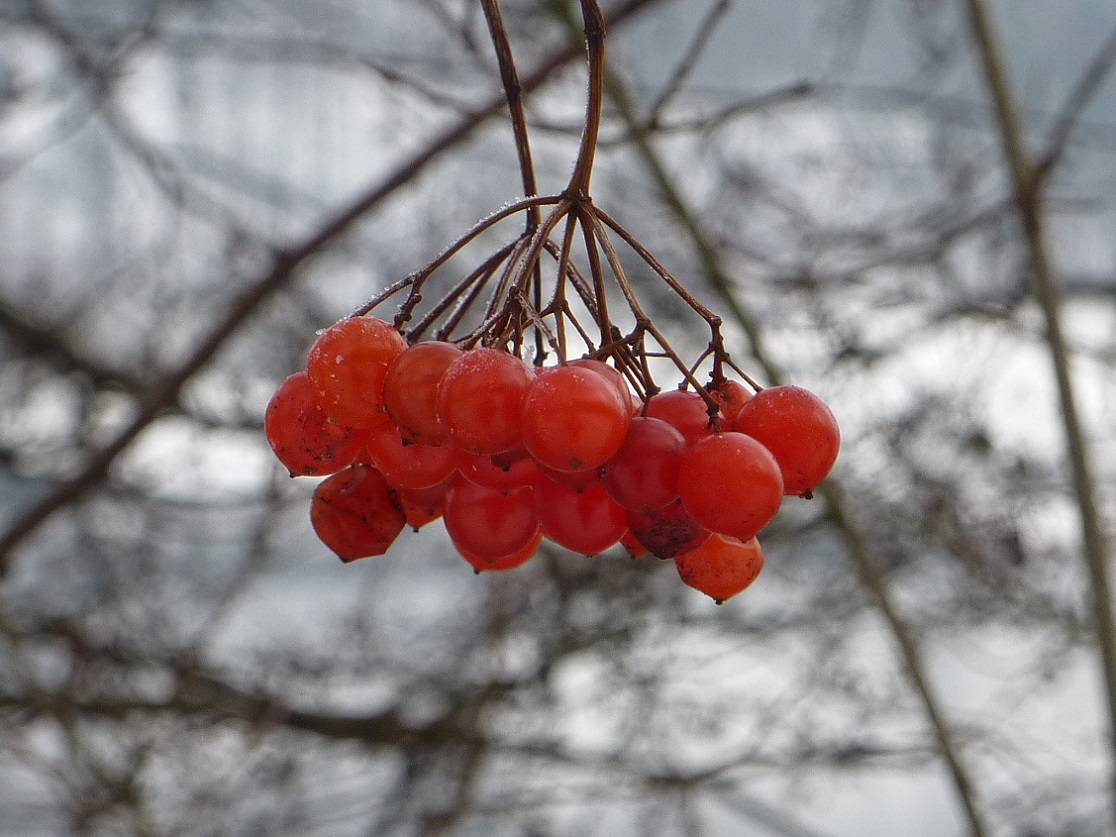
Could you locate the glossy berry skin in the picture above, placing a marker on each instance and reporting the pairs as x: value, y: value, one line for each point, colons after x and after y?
x: 586, y: 522
x: 411, y: 465
x: 577, y: 480
x: 574, y: 419
x: 489, y: 524
x: 611, y: 374
x: 480, y: 400
x: 302, y: 436
x: 423, y: 505
x: 721, y: 567
x: 347, y: 365
x: 799, y: 430
x: 355, y: 514
x: 633, y: 546
x: 666, y: 532
x: 684, y: 410
x: 731, y: 396
x: 508, y: 562
x: 503, y: 471
x: 730, y: 484
x: 643, y: 474
x: 411, y: 390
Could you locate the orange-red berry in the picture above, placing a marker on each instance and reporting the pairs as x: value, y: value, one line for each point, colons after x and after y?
x: 586, y: 522
x: 666, y: 532
x: 348, y: 363
x: 799, y: 430
x: 302, y: 436
x: 411, y: 465
x: 721, y: 567
x: 684, y: 410
x: 730, y: 484
x: 508, y: 562
x: 355, y: 514
x: 411, y: 391
x: 574, y: 419
x: 489, y: 524
x: 480, y: 400
x: 643, y: 474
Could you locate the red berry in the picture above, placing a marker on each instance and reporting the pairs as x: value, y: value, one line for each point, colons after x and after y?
x: 501, y: 471
x: 731, y: 396
x: 730, y: 484
x: 347, y: 364
x: 413, y: 465
x: 574, y: 418
x: 799, y: 430
x: 489, y: 524
x: 611, y: 374
x: 480, y: 400
x: 721, y: 567
x: 644, y: 472
x: 423, y: 505
x: 302, y: 436
x: 508, y: 562
x: 354, y: 513
x: 585, y: 521
x: 634, y: 547
x: 684, y: 410
x: 668, y: 531
x: 411, y: 390
x: 577, y: 480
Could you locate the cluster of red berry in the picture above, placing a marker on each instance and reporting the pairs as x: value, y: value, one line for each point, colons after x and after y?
x: 507, y: 454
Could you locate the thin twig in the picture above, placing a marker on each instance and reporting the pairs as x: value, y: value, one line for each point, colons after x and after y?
x: 419, y: 276
x: 474, y: 283
x: 513, y: 92
x: 685, y: 67
x: 1068, y: 116
x: 594, y: 41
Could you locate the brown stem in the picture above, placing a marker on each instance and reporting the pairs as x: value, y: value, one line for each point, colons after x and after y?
x: 643, y: 322
x: 419, y: 276
x: 523, y: 265
x: 498, y: 302
x: 577, y: 280
x: 656, y: 266
x: 476, y: 281
x: 604, y: 322
x: 513, y: 92
x: 558, y: 302
x: 594, y: 42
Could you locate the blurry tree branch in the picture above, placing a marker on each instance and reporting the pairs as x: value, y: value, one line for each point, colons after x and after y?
x: 1068, y: 119
x: 684, y: 68
x: 1026, y: 180
x: 50, y: 342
